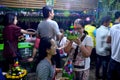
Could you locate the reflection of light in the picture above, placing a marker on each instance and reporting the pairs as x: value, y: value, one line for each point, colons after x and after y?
x: 85, y: 11
x: 23, y: 12
x: 88, y: 19
x: 66, y: 13
x: 95, y: 10
x: 32, y: 10
x: 100, y: 0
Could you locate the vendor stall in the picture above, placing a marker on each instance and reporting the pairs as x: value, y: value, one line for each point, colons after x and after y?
x: 25, y: 49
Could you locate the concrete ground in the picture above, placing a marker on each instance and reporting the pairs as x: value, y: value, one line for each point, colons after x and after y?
x: 92, y: 73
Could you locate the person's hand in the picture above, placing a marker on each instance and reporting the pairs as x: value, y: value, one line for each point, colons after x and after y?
x: 63, y: 78
x: 21, y: 38
x: 69, y: 41
x: 30, y: 59
x: 58, y: 70
x: 77, y: 41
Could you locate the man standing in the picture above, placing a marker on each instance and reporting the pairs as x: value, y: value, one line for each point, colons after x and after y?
x: 49, y: 28
x: 114, y: 39
x: 102, y: 48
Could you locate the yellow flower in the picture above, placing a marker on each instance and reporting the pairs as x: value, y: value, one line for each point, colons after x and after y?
x: 17, y: 77
x: 13, y: 77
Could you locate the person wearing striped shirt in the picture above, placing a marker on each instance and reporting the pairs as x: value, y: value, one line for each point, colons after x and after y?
x: 45, y: 69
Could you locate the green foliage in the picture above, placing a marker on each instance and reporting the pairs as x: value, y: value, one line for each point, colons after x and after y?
x: 108, y: 8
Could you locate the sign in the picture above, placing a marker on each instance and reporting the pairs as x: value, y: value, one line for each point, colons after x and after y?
x: 50, y: 2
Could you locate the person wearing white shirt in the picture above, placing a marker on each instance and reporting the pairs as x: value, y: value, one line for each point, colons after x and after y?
x: 114, y: 39
x: 102, y: 48
x: 79, y: 51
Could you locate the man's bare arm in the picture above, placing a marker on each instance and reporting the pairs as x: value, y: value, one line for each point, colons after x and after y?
x: 109, y: 39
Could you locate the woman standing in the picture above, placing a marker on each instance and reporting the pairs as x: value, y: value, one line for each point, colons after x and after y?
x: 11, y: 33
x: 80, y: 51
x: 45, y: 68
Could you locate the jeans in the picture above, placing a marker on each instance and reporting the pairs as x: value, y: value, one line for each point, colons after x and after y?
x: 102, y: 61
x: 113, y: 70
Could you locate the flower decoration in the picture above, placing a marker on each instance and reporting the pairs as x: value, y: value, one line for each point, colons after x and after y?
x: 16, y: 72
x: 68, y: 70
x: 71, y: 35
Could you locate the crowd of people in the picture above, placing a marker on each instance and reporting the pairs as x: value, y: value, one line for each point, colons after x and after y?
x: 100, y: 45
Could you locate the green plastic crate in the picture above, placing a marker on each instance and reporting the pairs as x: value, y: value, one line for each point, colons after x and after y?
x: 20, y: 45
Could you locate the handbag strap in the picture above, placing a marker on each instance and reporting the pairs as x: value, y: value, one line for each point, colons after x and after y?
x: 76, y: 50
